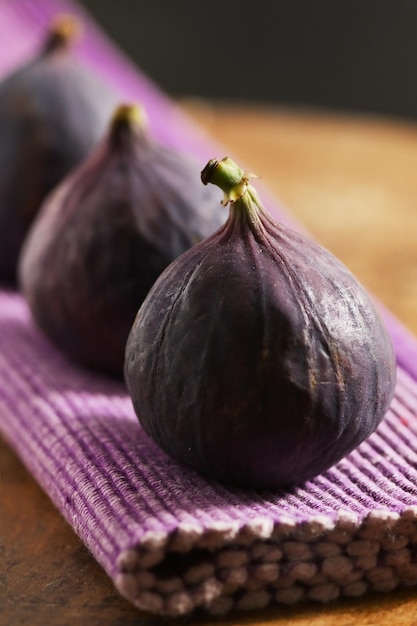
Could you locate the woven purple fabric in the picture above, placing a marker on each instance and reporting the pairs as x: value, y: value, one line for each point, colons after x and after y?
x: 171, y: 540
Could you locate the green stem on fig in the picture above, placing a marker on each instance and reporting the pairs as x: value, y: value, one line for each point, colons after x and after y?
x: 234, y: 182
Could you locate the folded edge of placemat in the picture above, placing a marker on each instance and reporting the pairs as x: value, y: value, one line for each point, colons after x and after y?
x: 170, y: 540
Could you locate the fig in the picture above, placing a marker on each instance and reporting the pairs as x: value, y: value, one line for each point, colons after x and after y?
x: 257, y: 358
x: 52, y: 112
x: 106, y: 233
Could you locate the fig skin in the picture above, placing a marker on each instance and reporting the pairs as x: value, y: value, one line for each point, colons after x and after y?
x: 52, y: 112
x: 257, y: 358
x: 104, y: 236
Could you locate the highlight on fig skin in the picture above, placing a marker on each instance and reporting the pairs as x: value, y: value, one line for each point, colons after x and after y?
x: 257, y: 358
x: 106, y: 233
x: 53, y: 111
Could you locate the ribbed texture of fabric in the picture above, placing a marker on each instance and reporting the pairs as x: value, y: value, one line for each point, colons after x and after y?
x: 170, y: 539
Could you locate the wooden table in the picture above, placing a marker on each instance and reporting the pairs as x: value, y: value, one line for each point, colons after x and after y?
x: 353, y: 182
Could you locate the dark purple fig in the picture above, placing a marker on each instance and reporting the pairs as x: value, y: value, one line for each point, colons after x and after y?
x: 257, y: 358
x: 52, y: 112
x: 104, y: 236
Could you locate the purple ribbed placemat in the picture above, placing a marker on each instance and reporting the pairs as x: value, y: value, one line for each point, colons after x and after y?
x: 171, y: 540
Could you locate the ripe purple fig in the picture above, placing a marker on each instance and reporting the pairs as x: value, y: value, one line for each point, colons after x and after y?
x: 52, y: 112
x: 257, y: 358
x: 104, y: 236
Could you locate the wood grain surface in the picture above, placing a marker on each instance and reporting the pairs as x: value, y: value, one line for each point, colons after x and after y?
x: 352, y: 182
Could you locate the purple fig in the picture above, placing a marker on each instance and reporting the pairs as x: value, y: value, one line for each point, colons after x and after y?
x: 52, y: 112
x: 104, y: 236
x: 257, y: 358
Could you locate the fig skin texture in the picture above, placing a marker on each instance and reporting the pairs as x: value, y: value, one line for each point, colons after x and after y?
x: 257, y: 358
x: 52, y: 112
x: 104, y: 236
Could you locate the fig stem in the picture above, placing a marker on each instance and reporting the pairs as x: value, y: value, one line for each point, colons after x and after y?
x: 128, y: 121
x: 63, y: 30
x: 129, y: 115
x: 234, y: 181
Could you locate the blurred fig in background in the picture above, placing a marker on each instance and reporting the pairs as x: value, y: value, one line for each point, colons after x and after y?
x: 52, y: 112
x: 105, y: 235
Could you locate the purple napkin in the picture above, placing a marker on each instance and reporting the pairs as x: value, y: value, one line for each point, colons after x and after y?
x: 171, y: 540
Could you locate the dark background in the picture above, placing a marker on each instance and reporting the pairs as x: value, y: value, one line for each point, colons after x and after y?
x: 356, y: 55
